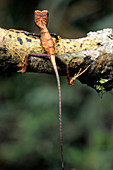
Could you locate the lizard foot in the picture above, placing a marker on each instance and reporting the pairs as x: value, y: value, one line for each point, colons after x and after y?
x: 23, y: 70
x: 77, y: 75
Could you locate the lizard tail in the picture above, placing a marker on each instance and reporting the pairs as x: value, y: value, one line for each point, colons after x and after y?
x: 60, y: 108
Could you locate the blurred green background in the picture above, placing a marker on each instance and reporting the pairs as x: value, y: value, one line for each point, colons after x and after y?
x: 29, y: 125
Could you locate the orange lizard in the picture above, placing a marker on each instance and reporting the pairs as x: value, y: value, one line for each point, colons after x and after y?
x: 41, y: 20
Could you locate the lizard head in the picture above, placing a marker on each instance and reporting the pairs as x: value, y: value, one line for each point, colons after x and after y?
x: 41, y: 18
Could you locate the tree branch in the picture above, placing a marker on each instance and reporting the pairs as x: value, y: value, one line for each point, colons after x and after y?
x: 96, y: 49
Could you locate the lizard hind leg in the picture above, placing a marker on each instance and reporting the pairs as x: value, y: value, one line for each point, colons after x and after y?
x: 26, y: 58
x: 76, y: 75
x: 22, y: 60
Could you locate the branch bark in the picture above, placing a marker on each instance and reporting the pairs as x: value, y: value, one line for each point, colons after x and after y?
x: 95, y: 49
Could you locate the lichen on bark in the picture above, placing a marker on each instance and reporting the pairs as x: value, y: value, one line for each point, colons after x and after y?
x: 96, y: 50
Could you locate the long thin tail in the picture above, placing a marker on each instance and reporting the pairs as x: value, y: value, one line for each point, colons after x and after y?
x: 60, y: 117
x: 60, y: 109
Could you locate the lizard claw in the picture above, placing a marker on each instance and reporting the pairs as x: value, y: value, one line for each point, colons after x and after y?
x: 21, y: 71
x: 69, y: 83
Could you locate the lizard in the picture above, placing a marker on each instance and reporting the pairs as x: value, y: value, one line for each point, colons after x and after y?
x: 41, y: 20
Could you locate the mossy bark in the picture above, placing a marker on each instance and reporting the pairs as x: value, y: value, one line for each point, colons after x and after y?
x: 96, y: 49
